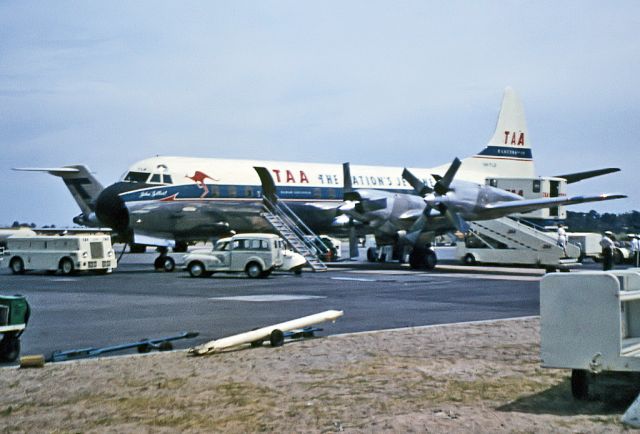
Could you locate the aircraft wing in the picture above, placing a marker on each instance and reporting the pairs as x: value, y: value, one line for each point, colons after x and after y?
x: 579, y: 176
x: 526, y: 205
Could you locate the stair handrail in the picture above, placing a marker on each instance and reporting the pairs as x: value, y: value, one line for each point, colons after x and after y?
x: 295, y: 223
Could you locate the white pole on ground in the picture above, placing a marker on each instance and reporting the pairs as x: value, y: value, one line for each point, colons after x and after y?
x: 265, y: 332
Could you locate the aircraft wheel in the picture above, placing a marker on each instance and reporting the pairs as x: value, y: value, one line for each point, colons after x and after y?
x: 580, y: 384
x: 196, y: 269
x: 9, y: 348
x: 168, y: 264
x: 17, y: 266
x: 430, y: 260
x: 157, y: 263
x: 617, y: 257
x: 276, y: 338
x: 469, y: 259
x: 66, y: 266
x: 253, y: 270
x: 372, y: 254
x: 416, y: 258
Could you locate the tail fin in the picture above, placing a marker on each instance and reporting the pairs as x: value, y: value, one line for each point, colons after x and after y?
x: 508, y: 153
x: 84, y: 187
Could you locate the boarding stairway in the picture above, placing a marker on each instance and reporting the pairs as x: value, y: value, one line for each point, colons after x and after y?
x: 515, y: 234
x: 297, y: 234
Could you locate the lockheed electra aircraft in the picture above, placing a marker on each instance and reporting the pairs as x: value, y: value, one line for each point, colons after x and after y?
x: 170, y: 201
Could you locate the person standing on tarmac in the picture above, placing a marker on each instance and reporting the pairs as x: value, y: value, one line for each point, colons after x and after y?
x: 635, y: 250
x: 607, y: 250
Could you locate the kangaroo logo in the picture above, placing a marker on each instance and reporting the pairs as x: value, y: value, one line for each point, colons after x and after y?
x: 199, y: 177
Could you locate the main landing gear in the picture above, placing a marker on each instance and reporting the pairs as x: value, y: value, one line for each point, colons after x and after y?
x: 164, y: 262
x: 423, y: 258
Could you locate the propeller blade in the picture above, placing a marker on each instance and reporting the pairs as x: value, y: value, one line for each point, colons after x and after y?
x: 442, y: 185
x: 457, y: 221
x: 346, y: 176
x: 420, y: 187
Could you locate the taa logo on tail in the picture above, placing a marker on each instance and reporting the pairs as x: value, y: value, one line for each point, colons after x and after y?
x: 513, y: 138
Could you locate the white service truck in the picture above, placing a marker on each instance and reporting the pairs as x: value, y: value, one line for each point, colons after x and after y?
x: 63, y: 252
x: 590, y: 323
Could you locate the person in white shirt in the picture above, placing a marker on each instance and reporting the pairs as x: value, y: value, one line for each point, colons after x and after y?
x: 607, y: 250
x: 635, y: 250
x: 562, y: 239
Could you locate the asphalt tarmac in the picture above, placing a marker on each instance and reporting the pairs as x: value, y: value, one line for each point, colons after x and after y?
x: 135, y: 302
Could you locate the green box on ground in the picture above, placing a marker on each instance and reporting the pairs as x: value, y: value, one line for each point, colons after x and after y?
x: 18, y: 308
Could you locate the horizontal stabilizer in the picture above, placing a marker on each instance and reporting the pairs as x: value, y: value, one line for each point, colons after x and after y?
x: 58, y: 171
x: 519, y: 206
x: 579, y: 176
x: 84, y: 187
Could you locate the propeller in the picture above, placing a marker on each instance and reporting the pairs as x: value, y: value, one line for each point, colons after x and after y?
x: 348, y: 206
x: 435, y: 198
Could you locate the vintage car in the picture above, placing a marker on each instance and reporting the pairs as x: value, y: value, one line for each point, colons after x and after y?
x: 257, y: 255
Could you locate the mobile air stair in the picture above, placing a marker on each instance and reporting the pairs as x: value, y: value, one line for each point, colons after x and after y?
x: 506, y: 240
x: 295, y: 232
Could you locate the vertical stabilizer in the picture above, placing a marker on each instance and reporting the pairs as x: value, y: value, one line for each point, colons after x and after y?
x: 508, y: 153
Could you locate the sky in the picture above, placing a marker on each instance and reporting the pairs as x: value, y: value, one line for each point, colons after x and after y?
x: 402, y: 83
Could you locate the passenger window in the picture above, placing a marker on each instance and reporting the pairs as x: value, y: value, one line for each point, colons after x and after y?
x: 215, y: 191
x: 536, y: 186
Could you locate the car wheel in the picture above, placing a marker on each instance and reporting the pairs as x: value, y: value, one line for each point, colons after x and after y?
x: 66, y: 266
x: 469, y: 259
x: 253, y: 270
x: 265, y: 274
x: 196, y: 269
x: 17, y: 266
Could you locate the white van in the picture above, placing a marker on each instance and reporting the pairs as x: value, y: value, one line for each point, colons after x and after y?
x: 64, y: 253
x: 255, y: 254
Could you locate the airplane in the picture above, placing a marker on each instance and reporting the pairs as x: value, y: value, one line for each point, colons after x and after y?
x: 415, y: 219
x: 167, y: 201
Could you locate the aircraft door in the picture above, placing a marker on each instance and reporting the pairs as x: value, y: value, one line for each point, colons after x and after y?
x: 554, y: 191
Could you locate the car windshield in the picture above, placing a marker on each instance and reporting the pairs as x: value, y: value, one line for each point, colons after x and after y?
x: 221, y: 246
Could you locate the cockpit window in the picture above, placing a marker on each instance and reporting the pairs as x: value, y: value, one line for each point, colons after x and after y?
x: 156, y: 178
x: 136, y: 177
x: 167, y: 179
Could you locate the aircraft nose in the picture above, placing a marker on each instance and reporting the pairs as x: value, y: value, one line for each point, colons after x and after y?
x: 110, y: 208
